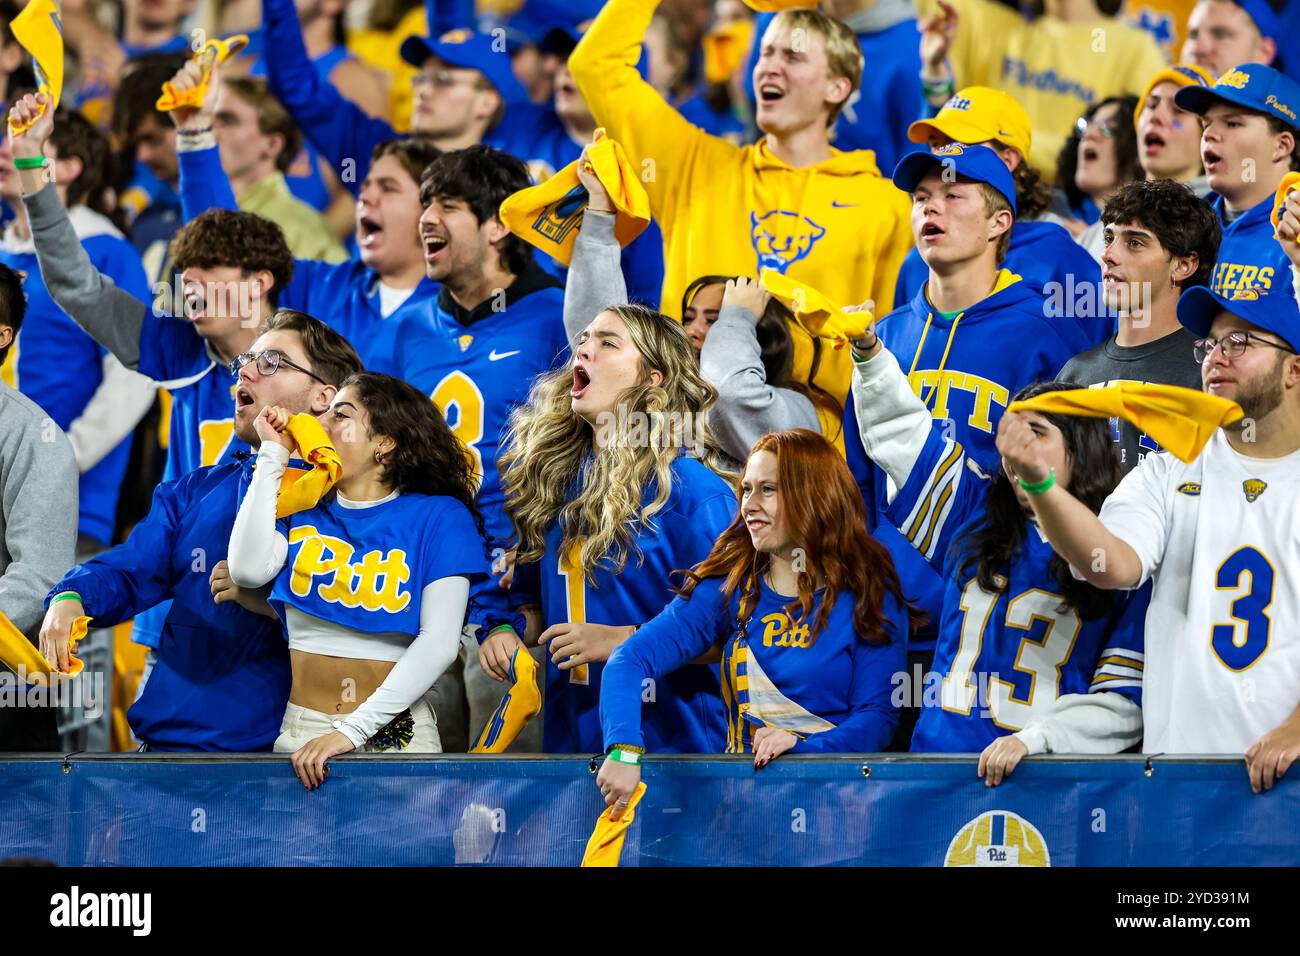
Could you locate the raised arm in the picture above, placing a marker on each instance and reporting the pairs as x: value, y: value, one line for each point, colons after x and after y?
x: 604, y: 65
x: 111, y: 316
x: 337, y: 127
x: 1096, y: 554
x: 595, y: 278
x: 731, y: 361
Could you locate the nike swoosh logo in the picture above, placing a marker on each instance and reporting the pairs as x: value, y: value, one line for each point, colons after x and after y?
x: 844, y: 205
x: 496, y: 356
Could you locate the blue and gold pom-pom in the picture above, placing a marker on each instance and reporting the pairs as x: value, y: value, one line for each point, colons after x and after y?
x: 396, y: 734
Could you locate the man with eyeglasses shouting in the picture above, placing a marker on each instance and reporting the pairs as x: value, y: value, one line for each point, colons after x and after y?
x: 1217, y: 537
x: 221, y: 675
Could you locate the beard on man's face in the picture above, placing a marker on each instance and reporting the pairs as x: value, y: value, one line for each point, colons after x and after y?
x: 1262, y: 394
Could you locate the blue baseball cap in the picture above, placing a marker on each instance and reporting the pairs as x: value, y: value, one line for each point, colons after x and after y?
x: 1252, y: 85
x: 978, y: 163
x: 1271, y: 311
x: 468, y: 50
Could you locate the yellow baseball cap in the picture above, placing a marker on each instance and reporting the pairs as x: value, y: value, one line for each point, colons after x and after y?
x: 1188, y: 74
x: 977, y: 114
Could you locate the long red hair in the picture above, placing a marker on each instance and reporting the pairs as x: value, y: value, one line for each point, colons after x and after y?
x: 823, y: 511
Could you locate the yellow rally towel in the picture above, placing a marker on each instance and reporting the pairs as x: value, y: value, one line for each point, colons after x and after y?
x: 818, y: 314
x: 1290, y: 183
x: 212, y: 52
x: 1181, y: 420
x: 39, y: 31
x: 725, y: 50
x: 521, y: 703
x: 606, y: 842
x: 299, y: 489
x: 773, y: 6
x: 548, y: 215
x: 17, y: 652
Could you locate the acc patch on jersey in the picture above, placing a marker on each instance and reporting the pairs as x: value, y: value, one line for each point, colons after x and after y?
x: 1253, y: 488
x: 998, y: 838
x: 1189, y: 488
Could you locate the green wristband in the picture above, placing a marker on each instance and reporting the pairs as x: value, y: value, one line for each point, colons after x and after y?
x: 29, y: 162
x: 1038, y: 487
x: 65, y: 596
x: 501, y: 627
x: 624, y: 756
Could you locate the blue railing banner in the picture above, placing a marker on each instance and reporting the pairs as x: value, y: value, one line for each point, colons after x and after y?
x: 875, y: 810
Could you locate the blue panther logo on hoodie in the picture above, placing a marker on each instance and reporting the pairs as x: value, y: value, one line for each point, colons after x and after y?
x: 783, y: 238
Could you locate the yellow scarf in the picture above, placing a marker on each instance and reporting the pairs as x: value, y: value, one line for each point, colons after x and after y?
x: 606, y: 843
x: 1181, y: 420
x: 548, y: 215
x: 299, y: 489
x: 1290, y: 183
x: 212, y: 52
x: 18, y: 654
x: 521, y: 703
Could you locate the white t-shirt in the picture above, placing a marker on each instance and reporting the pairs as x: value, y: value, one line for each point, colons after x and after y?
x: 391, y: 299
x: 1221, y: 539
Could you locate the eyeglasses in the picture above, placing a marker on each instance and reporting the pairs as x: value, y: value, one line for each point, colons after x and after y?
x: 1107, y: 128
x: 1233, y: 345
x: 268, y: 363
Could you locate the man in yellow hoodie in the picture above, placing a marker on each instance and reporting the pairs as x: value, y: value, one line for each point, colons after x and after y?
x: 790, y: 202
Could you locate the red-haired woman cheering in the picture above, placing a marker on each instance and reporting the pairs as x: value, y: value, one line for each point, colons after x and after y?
x: 807, y: 608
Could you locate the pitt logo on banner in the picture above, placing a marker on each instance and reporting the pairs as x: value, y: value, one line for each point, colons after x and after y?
x: 374, y: 583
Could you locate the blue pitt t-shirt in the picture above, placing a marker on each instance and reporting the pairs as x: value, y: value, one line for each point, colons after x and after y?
x: 365, y: 568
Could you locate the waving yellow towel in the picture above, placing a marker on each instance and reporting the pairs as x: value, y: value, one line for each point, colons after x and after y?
x: 17, y: 652
x: 548, y: 215
x: 819, y: 315
x: 1181, y: 420
x: 299, y: 489
x: 39, y: 31
x: 521, y: 703
x: 212, y: 52
x: 1290, y: 183
x: 606, y: 843
x: 725, y: 50
x: 774, y: 6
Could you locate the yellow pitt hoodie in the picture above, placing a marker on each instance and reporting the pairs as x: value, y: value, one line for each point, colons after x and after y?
x: 839, y: 225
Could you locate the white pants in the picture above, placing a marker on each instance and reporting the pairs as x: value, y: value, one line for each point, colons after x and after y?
x: 301, y: 725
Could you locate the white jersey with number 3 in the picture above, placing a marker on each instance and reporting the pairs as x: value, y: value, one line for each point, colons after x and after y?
x: 1221, y: 539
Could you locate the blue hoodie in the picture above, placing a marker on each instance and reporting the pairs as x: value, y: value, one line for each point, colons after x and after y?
x: 1040, y: 252
x: 1249, y: 255
x: 979, y: 360
x: 221, y: 677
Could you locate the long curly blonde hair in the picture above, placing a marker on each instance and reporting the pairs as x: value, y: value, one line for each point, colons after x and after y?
x: 552, y: 468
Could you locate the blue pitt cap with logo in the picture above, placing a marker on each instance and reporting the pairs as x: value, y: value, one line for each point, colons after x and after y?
x: 469, y: 50
x: 1252, y: 85
x: 1274, y: 312
x: 978, y: 163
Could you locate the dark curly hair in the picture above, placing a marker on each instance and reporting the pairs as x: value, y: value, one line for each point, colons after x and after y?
x: 991, y: 545
x: 1127, y: 167
x: 244, y: 240
x: 482, y: 178
x: 1182, y: 222
x: 428, y: 459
